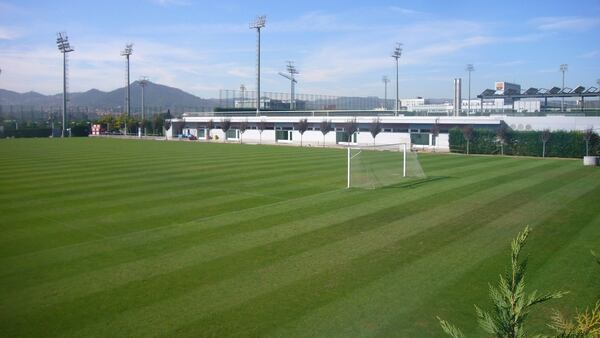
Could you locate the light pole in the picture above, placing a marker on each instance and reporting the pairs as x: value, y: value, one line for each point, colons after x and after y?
x: 127, y: 53
x: 563, y: 68
x: 258, y: 24
x: 64, y: 47
x: 242, y: 94
x: 143, y: 83
x: 598, y: 83
x: 385, y: 84
x: 469, y: 69
x: 292, y: 71
x: 396, y: 55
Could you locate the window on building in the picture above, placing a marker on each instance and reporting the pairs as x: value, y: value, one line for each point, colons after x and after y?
x: 421, y: 139
x: 232, y: 134
x: 283, y: 135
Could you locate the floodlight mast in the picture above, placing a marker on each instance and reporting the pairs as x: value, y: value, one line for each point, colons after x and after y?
x: 292, y: 71
x: 396, y: 55
x: 127, y: 53
x: 143, y: 83
x: 242, y: 94
x: 62, y: 41
x: 257, y: 24
x: 563, y: 68
x: 469, y: 69
x: 385, y: 84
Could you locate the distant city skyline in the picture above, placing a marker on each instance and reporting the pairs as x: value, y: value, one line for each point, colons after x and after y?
x: 339, y: 47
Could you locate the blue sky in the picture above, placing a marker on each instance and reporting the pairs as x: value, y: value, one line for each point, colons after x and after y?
x: 339, y: 47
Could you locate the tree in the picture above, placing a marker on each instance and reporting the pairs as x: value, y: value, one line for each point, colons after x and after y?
x: 375, y: 128
x: 243, y: 127
x: 502, y: 135
x: 351, y: 128
x: 467, y: 132
x: 545, y: 137
x: 108, y: 120
x: 325, y: 128
x: 225, y: 126
x: 435, y: 132
x: 587, y: 136
x: 302, y: 127
x: 511, y: 304
x: 262, y: 125
x: 210, y: 125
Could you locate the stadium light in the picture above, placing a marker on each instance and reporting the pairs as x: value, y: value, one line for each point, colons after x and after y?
x: 127, y: 53
x: 385, y: 84
x: 62, y: 42
x: 258, y: 24
x: 143, y: 83
x: 563, y: 68
x: 292, y: 71
x: 396, y: 55
x: 469, y: 69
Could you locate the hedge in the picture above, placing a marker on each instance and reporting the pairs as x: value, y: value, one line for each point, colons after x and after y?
x: 30, y: 132
x: 525, y: 143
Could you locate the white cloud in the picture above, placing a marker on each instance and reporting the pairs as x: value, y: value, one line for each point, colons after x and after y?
x: 590, y: 55
x: 570, y: 23
x: 405, y: 11
x: 8, y: 34
x: 172, y: 2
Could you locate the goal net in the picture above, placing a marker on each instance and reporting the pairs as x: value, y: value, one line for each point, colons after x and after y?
x: 371, y: 167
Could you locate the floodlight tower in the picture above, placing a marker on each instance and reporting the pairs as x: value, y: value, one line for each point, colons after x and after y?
x: 143, y: 83
x: 563, y: 68
x: 385, y: 84
x: 257, y: 24
x: 470, y: 69
x: 242, y: 95
x: 127, y: 53
x: 62, y: 41
x: 292, y: 71
x: 396, y: 55
x: 598, y: 83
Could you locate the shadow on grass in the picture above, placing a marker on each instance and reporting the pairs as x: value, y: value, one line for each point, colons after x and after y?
x: 416, y: 182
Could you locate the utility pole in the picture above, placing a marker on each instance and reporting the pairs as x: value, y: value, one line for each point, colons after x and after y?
x: 258, y: 24
x: 64, y: 47
x: 469, y: 69
x: 563, y: 68
x: 396, y: 55
x: 385, y: 84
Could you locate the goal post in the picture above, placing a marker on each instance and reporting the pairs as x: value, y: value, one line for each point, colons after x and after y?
x: 374, y: 166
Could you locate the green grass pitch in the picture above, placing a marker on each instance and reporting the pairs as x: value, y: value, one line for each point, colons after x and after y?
x: 107, y: 238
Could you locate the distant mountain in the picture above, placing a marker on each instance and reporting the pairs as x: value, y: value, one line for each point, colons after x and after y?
x: 155, y: 95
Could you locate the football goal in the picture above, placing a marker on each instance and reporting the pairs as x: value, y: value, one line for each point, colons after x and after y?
x: 375, y: 166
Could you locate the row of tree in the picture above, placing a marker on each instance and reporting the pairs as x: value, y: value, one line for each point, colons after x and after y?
x: 129, y: 124
x: 503, y: 140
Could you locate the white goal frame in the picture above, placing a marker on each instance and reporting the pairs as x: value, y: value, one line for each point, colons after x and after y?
x: 401, y: 146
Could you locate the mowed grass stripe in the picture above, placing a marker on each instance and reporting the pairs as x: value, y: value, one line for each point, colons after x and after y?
x: 147, y: 268
x: 235, y: 291
x: 246, y: 258
x: 418, y: 273
x: 371, y: 265
x: 281, y: 211
x: 150, y: 175
x: 199, y: 236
